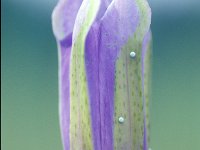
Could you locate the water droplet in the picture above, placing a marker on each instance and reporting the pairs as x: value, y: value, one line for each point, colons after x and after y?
x: 132, y: 54
x: 121, y: 119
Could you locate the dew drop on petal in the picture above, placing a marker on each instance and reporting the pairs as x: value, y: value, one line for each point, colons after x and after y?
x: 132, y: 54
x: 121, y: 119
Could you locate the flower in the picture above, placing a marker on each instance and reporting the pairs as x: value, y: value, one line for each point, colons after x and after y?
x: 104, y: 67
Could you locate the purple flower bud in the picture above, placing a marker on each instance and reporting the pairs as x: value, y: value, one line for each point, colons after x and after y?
x: 104, y: 73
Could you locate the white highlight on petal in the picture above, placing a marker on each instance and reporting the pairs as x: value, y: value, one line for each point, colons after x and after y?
x: 132, y: 54
x: 121, y: 120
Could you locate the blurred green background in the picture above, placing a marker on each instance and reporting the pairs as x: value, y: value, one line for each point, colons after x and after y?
x: 29, y: 76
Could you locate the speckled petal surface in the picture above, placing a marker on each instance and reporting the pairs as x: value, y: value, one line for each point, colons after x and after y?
x: 80, y: 116
x: 146, y: 76
x: 99, y: 81
x: 63, y: 18
x: 102, y: 47
x: 92, y: 69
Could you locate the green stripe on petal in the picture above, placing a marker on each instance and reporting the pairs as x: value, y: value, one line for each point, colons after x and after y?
x: 80, y: 121
x: 147, y: 81
x: 128, y: 90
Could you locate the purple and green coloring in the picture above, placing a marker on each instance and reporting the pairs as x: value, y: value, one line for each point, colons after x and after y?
x: 104, y: 51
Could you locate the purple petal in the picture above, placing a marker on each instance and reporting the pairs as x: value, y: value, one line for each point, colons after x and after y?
x: 92, y: 68
x: 103, y: 46
x: 108, y: 36
x: 103, y: 7
x: 64, y: 102
x: 99, y: 49
x: 80, y: 124
x: 63, y: 17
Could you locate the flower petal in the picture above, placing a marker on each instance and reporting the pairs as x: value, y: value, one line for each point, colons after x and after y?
x: 92, y: 74
x: 63, y: 17
x: 146, y: 74
x: 113, y: 37
x: 99, y: 81
x: 64, y: 96
x: 109, y: 71
x: 110, y: 36
x: 129, y: 92
x: 80, y: 124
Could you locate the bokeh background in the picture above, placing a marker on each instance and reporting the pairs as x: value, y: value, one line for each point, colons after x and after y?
x: 29, y: 76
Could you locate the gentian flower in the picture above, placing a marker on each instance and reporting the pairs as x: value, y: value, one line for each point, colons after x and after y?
x: 104, y: 67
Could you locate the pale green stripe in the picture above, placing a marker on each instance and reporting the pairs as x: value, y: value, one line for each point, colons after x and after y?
x: 147, y: 82
x: 128, y: 94
x: 80, y: 121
